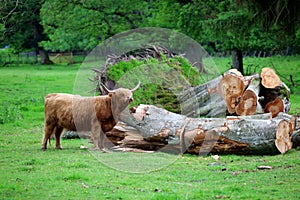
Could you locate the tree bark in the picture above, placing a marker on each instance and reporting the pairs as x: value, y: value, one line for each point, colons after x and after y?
x: 203, y: 100
x: 237, y: 60
x: 45, y: 60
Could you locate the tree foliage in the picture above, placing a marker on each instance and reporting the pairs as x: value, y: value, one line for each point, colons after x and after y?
x: 75, y: 24
x: 282, y: 13
x: 224, y: 25
x: 229, y: 25
x: 164, y: 13
x: 22, y: 24
x: 22, y: 27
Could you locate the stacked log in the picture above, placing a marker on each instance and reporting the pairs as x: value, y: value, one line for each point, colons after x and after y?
x: 203, y: 100
x: 235, y: 94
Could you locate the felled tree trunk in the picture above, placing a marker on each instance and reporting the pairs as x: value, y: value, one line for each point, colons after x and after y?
x: 203, y: 100
x: 231, y: 88
x: 159, y: 129
x: 150, y: 128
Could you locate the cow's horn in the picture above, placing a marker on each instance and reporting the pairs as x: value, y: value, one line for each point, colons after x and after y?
x: 136, y: 87
x: 106, y: 89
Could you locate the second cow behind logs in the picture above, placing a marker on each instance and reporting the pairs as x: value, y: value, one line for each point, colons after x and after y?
x: 76, y: 113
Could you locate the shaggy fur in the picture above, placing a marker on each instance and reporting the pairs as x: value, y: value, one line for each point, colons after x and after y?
x: 73, y: 112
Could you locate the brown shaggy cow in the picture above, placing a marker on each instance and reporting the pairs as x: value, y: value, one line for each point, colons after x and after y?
x: 76, y: 113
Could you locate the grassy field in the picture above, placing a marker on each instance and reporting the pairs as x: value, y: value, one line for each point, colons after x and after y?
x: 27, y: 172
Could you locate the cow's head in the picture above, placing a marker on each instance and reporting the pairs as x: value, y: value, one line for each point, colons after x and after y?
x: 121, y: 97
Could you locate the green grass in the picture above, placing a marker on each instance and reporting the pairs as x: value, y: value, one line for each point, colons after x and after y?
x: 27, y: 172
x: 23, y: 88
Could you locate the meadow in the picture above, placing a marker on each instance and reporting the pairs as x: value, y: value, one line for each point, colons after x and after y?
x: 27, y: 172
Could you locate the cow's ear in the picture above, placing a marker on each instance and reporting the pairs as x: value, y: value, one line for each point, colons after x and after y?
x: 110, y: 94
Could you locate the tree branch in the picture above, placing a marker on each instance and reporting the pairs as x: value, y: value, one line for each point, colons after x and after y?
x: 5, y: 18
x: 102, y: 10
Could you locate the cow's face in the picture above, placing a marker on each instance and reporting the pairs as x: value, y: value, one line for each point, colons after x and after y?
x: 121, y: 98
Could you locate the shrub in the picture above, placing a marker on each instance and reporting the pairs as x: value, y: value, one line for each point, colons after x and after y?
x: 162, y: 80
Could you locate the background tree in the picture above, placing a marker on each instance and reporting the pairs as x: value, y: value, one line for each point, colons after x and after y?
x: 164, y: 14
x: 237, y: 26
x: 22, y: 28
x: 73, y: 24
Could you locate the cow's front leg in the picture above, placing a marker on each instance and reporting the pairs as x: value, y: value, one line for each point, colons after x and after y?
x: 102, y: 145
x: 96, y: 129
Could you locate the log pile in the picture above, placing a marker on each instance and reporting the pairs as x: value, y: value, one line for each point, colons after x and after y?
x: 149, y: 128
x: 235, y: 94
x: 257, y: 123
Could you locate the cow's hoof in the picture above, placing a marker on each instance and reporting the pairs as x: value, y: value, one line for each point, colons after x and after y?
x: 44, y: 148
x: 105, y: 150
x: 59, y: 148
x: 95, y: 149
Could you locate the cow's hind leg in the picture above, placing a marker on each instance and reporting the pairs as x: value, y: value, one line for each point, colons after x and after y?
x: 58, y: 133
x: 48, y: 132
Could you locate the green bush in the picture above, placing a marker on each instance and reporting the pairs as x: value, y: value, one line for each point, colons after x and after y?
x: 162, y: 80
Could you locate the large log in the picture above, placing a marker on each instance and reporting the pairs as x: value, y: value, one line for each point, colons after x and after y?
x: 159, y: 129
x: 203, y: 100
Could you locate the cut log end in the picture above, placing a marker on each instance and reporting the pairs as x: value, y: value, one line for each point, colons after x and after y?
x: 283, y: 140
x: 139, y: 112
x: 274, y: 107
x: 230, y: 88
x: 269, y: 78
x: 247, y: 104
x: 231, y: 85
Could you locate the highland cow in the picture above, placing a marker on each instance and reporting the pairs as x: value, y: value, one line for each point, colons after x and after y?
x: 97, y: 114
